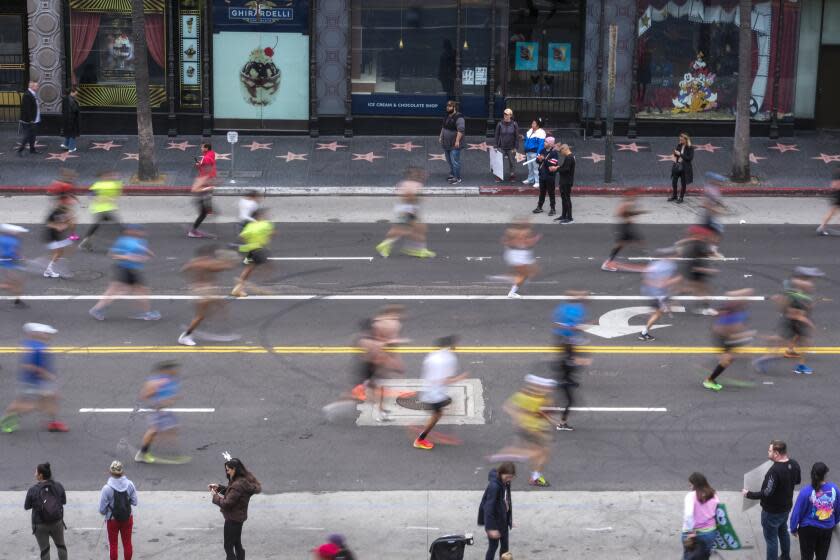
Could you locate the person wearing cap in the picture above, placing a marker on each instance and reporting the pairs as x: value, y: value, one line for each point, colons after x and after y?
x: 106, y: 192
x: 10, y: 261
x: 548, y: 164
x: 116, y: 499
x: 822, y: 229
x: 506, y: 140
x: 130, y: 253
x: 38, y: 390
x: 440, y: 368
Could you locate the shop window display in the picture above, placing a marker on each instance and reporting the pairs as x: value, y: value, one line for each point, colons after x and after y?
x: 688, y: 58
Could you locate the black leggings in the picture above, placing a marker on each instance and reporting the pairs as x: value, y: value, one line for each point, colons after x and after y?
x: 233, y: 541
x: 101, y: 217
x: 546, y: 186
x: 204, y: 208
x: 493, y: 544
x: 674, y: 178
x: 814, y: 542
x: 566, y: 201
x: 565, y: 368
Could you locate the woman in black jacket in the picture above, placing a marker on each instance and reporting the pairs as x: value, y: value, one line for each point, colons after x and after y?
x: 682, y: 170
x: 70, y: 111
x: 496, y: 509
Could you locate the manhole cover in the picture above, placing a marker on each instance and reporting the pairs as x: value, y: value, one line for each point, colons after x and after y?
x: 410, y: 401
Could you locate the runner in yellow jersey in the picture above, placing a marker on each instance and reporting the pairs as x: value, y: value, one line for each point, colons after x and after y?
x: 256, y: 236
x: 106, y: 192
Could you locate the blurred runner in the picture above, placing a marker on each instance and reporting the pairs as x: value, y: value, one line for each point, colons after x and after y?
x: 386, y: 329
x: 730, y: 332
x: 106, y: 192
x: 795, y: 327
x: 407, y: 225
x: 38, y: 388
x: 11, y: 262
x: 202, y: 189
x: 519, y: 241
x: 60, y: 225
x: 247, y: 206
x: 440, y: 368
x: 203, y: 271
x: 160, y: 391
x: 659, y: 280
x: 568, y: 319
x: 696, y: 249
x: 822, y: 229
x: 627, y: 232
x: 256, y: 236
x: 130, y: 253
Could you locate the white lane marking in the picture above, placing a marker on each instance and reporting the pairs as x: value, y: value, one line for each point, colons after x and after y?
x: 686, y: 259
x: 84, y: 410
x: 309, y: 528
x: 378, y: 297
x: 369, y: 259
x: 616, y: 323
x: 605, y: 409
x: 417, y: 528
x: 479, y: 258
x: 598, y: 529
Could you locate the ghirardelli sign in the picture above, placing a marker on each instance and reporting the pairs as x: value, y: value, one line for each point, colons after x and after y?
x: 262, y: 12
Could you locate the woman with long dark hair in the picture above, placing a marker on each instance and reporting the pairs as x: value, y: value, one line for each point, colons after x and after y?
x: 682, y: 169
x: 233, y: 502
x: 699, y: 521
x: 815, y: 514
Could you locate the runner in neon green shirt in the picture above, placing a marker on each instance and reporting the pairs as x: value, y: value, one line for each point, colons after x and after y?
x: 106, y: 191
x: 256, y: 236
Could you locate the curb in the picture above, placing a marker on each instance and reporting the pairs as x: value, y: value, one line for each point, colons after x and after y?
x: 662, y: 190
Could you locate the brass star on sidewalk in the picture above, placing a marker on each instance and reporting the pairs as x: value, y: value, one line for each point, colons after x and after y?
x: 331, y: 146
x: 437, y: 157
x: 784, y: 147
x: 257, y: 146
x: 828, y: 158
x: 180, y: 146
x: 706, y: 147
x: 135, y: 157
x: 630, y: 147
x: 369, y: 157
x: 220, y: 157
x: 292, y: 157
x: 755, y: 159
x: 63, y: 156
x: 107, y: 146
x: 408, y: 146
x: 595, y: 157
x: 483, y: 146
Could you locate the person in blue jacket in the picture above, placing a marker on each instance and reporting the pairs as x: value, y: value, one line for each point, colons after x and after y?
x: 534, y: 140
x: 496, y: 510
x: 815, y: 514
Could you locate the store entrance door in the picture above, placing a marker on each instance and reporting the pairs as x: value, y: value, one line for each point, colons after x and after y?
x: 12, y: 63
x: 828, y: 88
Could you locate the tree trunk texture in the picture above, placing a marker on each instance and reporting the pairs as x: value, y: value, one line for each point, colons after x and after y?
x: 146, y: 165
x: 741, y: 151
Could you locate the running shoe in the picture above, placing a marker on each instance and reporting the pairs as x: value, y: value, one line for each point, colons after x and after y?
x: 792, y: 354
x: 96, y: 314
x: 197, y: 233
x: 381, y: 416
x: 708, y: 384
x: 609, y: 267
x: 540, y: 481
x: 709, y: 312
x: 537, y: 210
x: 384, y: 249
x: 63, y: 147
x: 144, y: 457
x: 552, y: 212
x: 564, y: 427
x: 186, y: 340
x: 50, y: 273
x: 74, y: 237
x: 238, y: 292
x: 567, y: 221
x: 56, y: 426
x: 647, y: 337
x: 822, y: 231
x: 514, y: 295
x: 148, y: 316
x: 802, y: 369
x: 419, y: 253
x: 9, y: 423
x: 527, y: 182
x: 423, y: 444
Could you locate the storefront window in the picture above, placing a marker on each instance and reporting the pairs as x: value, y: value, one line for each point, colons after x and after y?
x: 688, y: 58
x: 102, y: 56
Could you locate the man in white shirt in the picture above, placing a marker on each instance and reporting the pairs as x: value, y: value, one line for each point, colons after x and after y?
x: 440, y: 368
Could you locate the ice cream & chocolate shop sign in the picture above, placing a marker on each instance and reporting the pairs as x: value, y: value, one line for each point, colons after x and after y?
x: 255, y: 15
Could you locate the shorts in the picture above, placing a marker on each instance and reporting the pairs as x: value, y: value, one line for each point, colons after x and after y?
x: 789, y: 329
x: 107, y: 216
x: 438, y: 406
x: 258, y: 256
x: 204, y: 203
x: 37, y: 390
x: 518, y: 257
x: 627, y: 233
x: 660, y: 303
x: 534, y: 437
x: 406, y: 219
x: 162, y: 420
x: 731, y: 341
x: 59, y: 244
x: 128, y: 276
x: 366, y: 371
x: 835, y: 198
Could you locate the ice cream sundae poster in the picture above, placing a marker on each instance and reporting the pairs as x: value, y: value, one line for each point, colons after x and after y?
x: 261, y: 75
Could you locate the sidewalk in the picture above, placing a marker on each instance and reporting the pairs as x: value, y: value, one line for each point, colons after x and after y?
x: 371, y: 165
x: 389, y: 525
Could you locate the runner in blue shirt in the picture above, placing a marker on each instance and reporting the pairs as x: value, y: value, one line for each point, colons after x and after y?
x: 10, y: 261
x: 568, y: 320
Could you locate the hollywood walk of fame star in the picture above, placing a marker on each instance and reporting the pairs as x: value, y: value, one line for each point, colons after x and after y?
x: 107, y: 146
x: 706, y: 147
x: 666, y: 157
x: 62, y: 156
x: 292, y: 157
x: 257, y: 146
x: 784, y: 147
x: 630, y: 147
x: 483, y: 146
x: 369, y: 157
x: 437, y: 157
x: 135, y: 157
x: 408, y: 146
x: 180, y: 146
x: 220, y: 157
x: 755, y: 159
x: 595, y: 157
x: 331, y: 146
x: 828, y: 158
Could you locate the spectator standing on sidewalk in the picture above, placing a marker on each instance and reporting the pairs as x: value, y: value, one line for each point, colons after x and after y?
x: 699, y: 516
x: 548, y: 164
x: 776, y: 497
x: 496, y: 510
x: 534, y: 140
x: 117, y: 498
x: 30, y: 118
x: 233, y: 501
x: 815, y: 514
x: 682, y: 169
x: 451, y: 135
x: 566, y: 175
x: 46, y: 499
x: 507, y: 138
x: 70, y: 112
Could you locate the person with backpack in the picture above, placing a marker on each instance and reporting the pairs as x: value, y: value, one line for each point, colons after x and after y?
x: 46, y: 499
x: 496, y: 510
x: 115, y: 503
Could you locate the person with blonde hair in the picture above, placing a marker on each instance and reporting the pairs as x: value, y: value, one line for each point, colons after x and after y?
x: 682, y: 170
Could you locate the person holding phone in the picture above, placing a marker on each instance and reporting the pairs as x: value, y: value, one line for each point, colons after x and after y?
x: 233, y: 501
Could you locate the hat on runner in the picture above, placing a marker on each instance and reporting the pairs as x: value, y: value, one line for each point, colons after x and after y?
x: 327, y: 551
x: 38, y: 328
x: 11, y: 228
x: 337, y: 539
x: 808, y: 272
x: 117, y: 468
x: 532, y: 379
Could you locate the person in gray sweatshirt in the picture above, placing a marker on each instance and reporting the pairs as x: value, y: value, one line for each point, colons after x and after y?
x: 117, y: 498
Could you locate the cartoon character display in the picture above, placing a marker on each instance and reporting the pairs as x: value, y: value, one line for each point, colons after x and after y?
x: 696, y: 94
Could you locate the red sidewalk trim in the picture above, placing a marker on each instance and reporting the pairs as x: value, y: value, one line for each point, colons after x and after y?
x: 659, y: 190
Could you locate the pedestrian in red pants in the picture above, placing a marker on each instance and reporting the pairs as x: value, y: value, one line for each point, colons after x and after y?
x: 115, y: 502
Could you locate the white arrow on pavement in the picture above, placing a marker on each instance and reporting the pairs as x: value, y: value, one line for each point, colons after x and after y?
x: 615, y: 323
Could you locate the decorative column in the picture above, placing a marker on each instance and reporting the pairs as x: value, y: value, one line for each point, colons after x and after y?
x: 313, y: 72
x: 491, y: 82
x: 634, y: 78
x: 355, y: 23
x: 207, y: 34
x: 458, y: 41
x: 171, y: 121
x: 600, y: 73
x: 46, y: 61
x: 777, y: 73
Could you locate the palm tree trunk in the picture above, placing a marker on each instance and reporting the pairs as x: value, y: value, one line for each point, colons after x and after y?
x: 741, y: 151
x: 146, y: 165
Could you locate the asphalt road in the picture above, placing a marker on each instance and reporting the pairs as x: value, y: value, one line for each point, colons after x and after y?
x: 268, y: 400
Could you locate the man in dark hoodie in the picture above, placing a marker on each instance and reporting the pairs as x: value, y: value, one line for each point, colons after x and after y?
x: 507, y: 138
x: 496, y: 510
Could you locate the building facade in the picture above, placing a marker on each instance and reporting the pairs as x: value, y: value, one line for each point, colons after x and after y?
x: 362, y: 66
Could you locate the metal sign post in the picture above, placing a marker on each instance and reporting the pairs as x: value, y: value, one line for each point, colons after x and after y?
x: 608, y: 149
x: 232, y: 138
